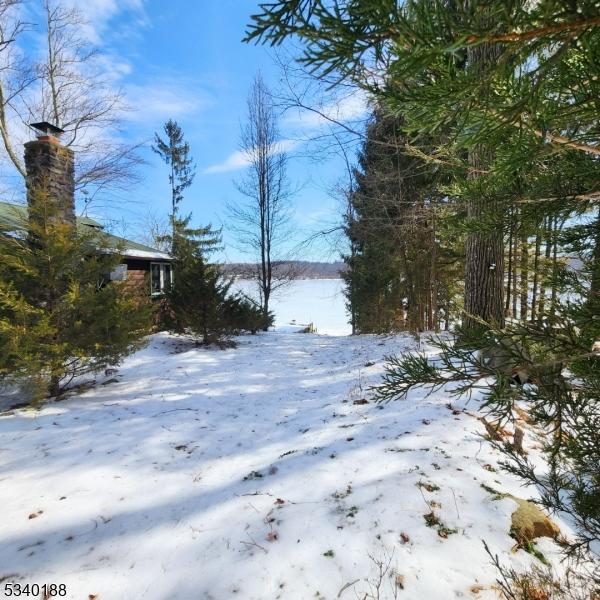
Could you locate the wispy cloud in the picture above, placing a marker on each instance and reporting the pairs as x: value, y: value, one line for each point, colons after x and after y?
x: 165, y: 98
x: 100, y: 13
x: 241, y: 158
x: 352, y: 107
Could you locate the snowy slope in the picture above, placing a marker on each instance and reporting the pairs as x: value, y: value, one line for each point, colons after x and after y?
x: 252, y: 473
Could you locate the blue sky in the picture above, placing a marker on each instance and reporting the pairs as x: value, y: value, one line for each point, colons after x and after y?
x: 185, y: 60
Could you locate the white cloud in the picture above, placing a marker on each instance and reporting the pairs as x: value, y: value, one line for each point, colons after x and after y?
x: 348, y: 108
x: 99, y: 13
x: 241, y: 158
x: 235, y: 161
x: 164, y: 99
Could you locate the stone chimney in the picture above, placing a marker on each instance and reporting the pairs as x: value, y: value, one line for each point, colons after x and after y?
x: 50, y: 170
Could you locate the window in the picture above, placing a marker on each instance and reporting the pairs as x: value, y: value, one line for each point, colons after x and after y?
x: 119, y: 273
x: 160, y: 278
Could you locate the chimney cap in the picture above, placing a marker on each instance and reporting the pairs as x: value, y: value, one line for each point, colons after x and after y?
x: 45, y: 128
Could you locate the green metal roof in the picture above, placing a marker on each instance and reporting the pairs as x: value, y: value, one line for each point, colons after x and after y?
x: 15, y: 215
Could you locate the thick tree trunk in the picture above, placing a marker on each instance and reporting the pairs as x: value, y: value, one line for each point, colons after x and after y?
x: 484, y: 277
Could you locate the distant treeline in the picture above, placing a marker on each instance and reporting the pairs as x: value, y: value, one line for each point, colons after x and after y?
x: 300, y: 268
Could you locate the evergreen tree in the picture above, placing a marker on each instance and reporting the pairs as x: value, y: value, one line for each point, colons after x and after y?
x: 200, y: 301
x: 60, y: 317
x: 401, y: 267
x: 175, y: 152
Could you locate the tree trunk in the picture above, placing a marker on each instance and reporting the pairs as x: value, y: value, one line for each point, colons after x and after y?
x: 536, y: 266
x: 433, y: 284
x: 509, y: 269
x: 547, y: 255
x: 484, y: 277
x: 554, y: 292
x: 515, y: 253
x: 54, y: 386
x: 593, y: 300
x: 524, y: 277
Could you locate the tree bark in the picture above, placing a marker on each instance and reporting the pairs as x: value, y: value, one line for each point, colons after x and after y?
x: 547, y: 255
x: 509, y: 269
x: 594, y: 293
x: 554, y: 292
x: 524, y: 267
x: 484, y: 277
x: 536, y: 276
x: 515, y: 253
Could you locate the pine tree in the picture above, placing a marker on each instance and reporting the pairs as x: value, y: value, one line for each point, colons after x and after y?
x: 60, y: 316
x: 200, y: 302
x: 175, y: 152
x: 400, y: 267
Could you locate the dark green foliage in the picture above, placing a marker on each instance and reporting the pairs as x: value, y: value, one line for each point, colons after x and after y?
x: 520, y: 132
x: 59, y: 315
x: 200, y: 302
x: 401, y: 258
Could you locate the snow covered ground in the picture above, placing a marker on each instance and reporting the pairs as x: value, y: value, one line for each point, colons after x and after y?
x: 258, y: 473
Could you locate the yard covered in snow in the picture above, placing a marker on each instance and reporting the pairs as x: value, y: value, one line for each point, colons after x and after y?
x: 257, y: 472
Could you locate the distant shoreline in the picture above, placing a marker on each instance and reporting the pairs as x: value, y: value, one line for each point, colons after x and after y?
x: 298, y: 269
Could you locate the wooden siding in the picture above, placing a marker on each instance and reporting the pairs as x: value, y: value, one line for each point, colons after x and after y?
x: 138, y: 273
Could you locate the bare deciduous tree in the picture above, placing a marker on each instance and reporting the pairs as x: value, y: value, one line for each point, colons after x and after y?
x: 67, y: 85
x: 261, y: 222
x: 16, y: 75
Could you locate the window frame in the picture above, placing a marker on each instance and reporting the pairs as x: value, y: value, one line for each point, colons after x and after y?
x: 162, y: 268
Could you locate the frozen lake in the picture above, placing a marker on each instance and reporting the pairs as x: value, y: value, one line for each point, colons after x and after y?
x: 317, y: 301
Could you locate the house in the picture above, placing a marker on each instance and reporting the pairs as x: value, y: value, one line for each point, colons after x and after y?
x: 50, y: 166
x: 140, y: 262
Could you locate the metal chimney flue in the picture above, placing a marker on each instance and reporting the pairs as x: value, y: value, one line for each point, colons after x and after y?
x: 47, y: 131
